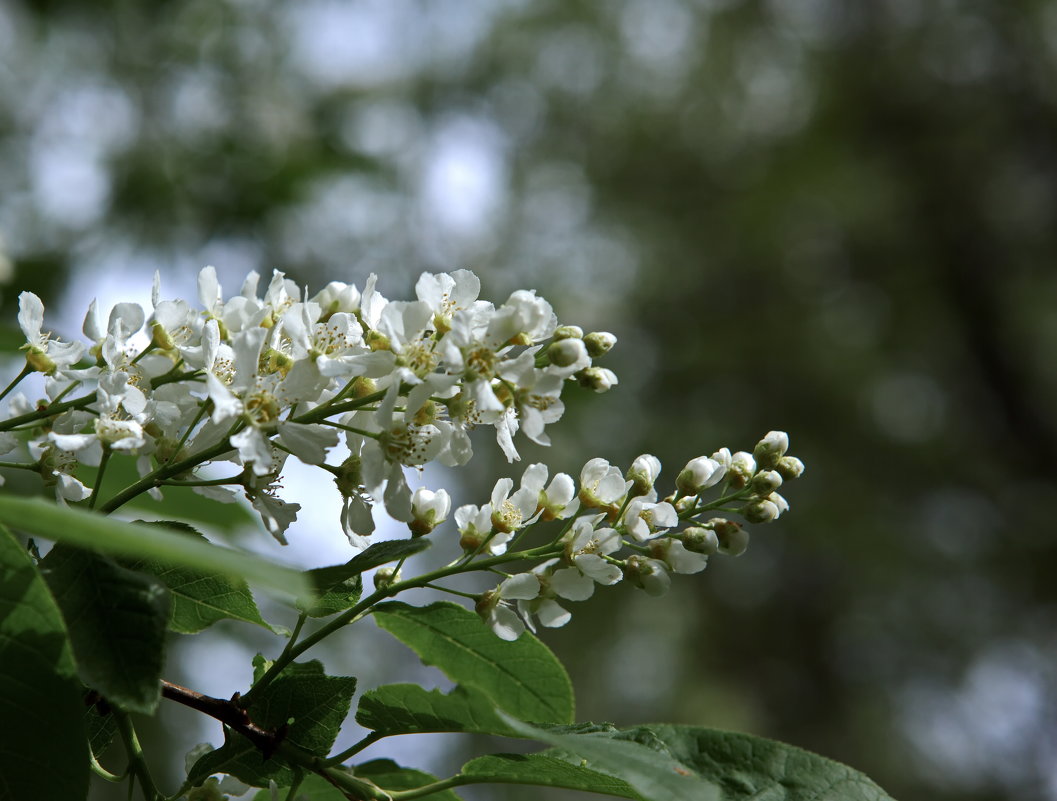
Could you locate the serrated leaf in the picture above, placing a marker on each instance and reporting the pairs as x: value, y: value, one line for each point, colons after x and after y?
x: 522, y: 677
x: 390, y: 776
x: 410, y: 709
x: 748, y: 767
x: 545, y: 770
x: 663, y: 761
x: 200, y: 598
x: 99, y: 725
x: 335, y: 591
x: 43, y: 747
x: 338, y: 587
x: 311, y: 704
x: 88, y: 530
x: 313, y: 788
x: 117, y: 620
x: 651, y: 772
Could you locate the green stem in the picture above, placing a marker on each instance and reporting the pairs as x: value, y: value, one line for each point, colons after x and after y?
x: 99, y: 476
x: 352, y: 750
x: 48, y: 411
x: 445, y: 784
x: 365, y: 605
x: 152, y: 479
x: 33, y: 466
x: 102, y: 772
x: 14, y: 383
x: 211, y: 482
x: 137, y: 765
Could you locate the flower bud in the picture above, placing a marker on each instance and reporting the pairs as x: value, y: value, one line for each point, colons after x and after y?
x: 765, y: 482
x: 428, y: 510
x: 789, y: 467
x: 643, y: 473
x: 598, y: 379
x: 699, y: 474
x: 568, y: 332
x: 733, y: 538
x: 599, y: 343
x: 763, y: 511
x: 160, y: 338
x: 349, y: 476
x: 362, y: 387
x: 771, y: 448
x: 647, y: 574
x: 567, y: 352
x: 386, y: 577
x: 700, y: 540
x: 742, y: 469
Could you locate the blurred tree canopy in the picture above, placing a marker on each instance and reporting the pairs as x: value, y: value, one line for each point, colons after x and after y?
x: 837, y: 219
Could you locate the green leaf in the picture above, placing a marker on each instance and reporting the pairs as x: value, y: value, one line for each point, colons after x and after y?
x: 668, y: 762
x: 200, y: 598
x: 546, y: 770
x: 116, y: 618
x: 181, y: 503
x: 522, y: 677
x: 647, y: 767
x: 390, y: 776
x: 410, y: 709
x: 43, y: 747
x: 89, y: 530
x: 313, y: 788
x: 338, y: 587
x: 99, y: 724
x: 748, y: 767
x: 335, y: 592
x: 303, y: 698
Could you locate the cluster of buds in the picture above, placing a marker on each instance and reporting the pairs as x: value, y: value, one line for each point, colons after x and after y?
x: 618, y: 529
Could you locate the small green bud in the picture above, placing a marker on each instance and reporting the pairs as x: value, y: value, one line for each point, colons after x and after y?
x: 765, y: 482
x: 386, y: 577
x: 599, y: 343
x: 789, y: 467
x: 568, y: 332
x: 771, y: 448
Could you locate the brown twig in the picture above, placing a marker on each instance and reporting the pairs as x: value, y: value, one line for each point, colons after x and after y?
x: 229, y: 713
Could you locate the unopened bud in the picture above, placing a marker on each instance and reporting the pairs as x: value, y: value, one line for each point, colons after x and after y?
x: 742, y: 469
x: 699, y: 474
x: 761, y: 511
x: 386, y: 577
x: 700, y: 540
x: 733, y: 538
x: 567, y: 352
x: 789, y: 467
x: 771, y: 448
x: 568, y: 332
x: 598, y: 379
x: 643, y: 473
x: 765, y: 482
x: 599, y: 343
x: 428, y: 510
x: 349, y: 477
x: 647, y: 574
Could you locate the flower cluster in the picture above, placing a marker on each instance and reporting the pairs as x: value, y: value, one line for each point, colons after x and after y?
x: 273, y: 372
x: 244, y: 382
x: 613, y: 512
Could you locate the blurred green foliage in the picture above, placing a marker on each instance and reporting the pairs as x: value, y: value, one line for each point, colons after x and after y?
x: 837, y: 219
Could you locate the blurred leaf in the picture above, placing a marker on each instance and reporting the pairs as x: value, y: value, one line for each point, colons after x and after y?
x: 201, y: 598
x: 311, y: 704
x: 89, y: 530
x: 117, y: 619
x: 178, y: 503
x: 43, y: 748
x: 522, y: 677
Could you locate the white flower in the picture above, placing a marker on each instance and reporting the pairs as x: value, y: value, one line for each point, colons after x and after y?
x: 558, y: 501
x: 677, y: 557
x: 648, y: 574
x: 703, y: 472
x: 643, y: 473
x: 587, y: 546
x: 601, y: 484
x: 474, y: 524
x: 428, y: 510
x: 645, y: 519
x: 494, y: 608
x: 43, y: 354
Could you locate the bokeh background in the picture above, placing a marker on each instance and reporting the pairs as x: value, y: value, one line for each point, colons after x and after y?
x: 838, y: 219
